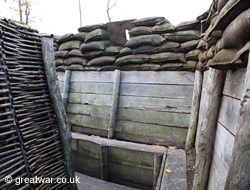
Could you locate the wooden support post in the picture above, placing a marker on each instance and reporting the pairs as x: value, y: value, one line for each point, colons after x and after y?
x: 157, y: 166
x: 48, y: 58
x: 67, y: 79
x: 195, y: 109
x: 158, y: 185
x: 210, y: 111
x: 238, y: 174
x: 116, y: 90
x: 104, y: 162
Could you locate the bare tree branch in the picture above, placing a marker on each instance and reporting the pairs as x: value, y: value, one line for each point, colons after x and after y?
x: 109, y: 8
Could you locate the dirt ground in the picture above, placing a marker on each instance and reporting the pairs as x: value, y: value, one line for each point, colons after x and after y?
x: 190, y: 162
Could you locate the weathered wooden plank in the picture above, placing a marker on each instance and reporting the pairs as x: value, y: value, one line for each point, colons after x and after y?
x: 223, y: 144
x: 67, y: 78
x: 87, y: 182
x: 157, y: 104
x: 159, y: 180
x: 175, y: 170
x: 164, y: 77
x: 153, y: 117
x: 132, y: 174
x: 104, y: 159
x: 114, y: 106
x: 116, y: 143
x: 90, y: 110
x: 89, y: 148
x: 93, y: 99
x: 92, y: 88
x: 238, y: 175
x: 163, y: 91
x: 205, y: 79
x: 195, y: 110
x: 91, y: 76
x: 129, y: 157
x: 48, y: 58
x: 88, y: 121
x: 210, y: 111
x: 90, y: 131
x: 233, y: 83
x: 148, y: 133
x: 229, y: 111
x: 157, y: 167
x: 61, y: 86
x: 60, y: 76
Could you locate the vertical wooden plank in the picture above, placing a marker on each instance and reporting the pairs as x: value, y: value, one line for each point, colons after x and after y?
x: 67, y: 79
x: 104, y: 162
x: 48, y: 58
x: 157, y: 166
x: 116, y: 90
x: 238, y: 174
x: 206, y: 138
x: 194, y: 110
x: 158, y: 185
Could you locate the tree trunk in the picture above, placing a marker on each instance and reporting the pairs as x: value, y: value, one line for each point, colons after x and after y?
x: 210, y: 111
x: 238, y: 174
x: 80, y: 11
x: 20, y: 10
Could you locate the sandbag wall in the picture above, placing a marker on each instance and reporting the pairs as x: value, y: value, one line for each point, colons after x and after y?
x: 30, y: 142
x: 155, y: 44
x: 226, y: 39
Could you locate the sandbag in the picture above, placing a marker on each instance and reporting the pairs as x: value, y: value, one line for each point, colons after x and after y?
x: 172, y: 66
x: 125, y: 51
x: 61, y: 54
x: 153, y: 40
x: 75, y: 44
x: 237, y: 33
x: 80, y: 36
x: 141, y: 30
x: 223, y: 60
x: 131, y: 67
x: 75, y: 53
x: 193, y: 55
x: 89, y: 28
x: 190, y: 66
x: 100, y: 61
x: 95, y: 46
x: 168, y: 57
x: 241, y: 52
x: 165, y: 47
x: 65, y: 38
x: 97, y: 35
x: 76, y: 67
x: 202, y: 45
x: 211, y: 52
x: 92, y: 54
x: 183, y: 36
x: 163, y: 28
x: 75, y: 60
x: 202, y: 57
x: 221, y: 4
x: 92, y: 68
x: 112, y: 50
x: 227, y: 14
x: 149, y: 67
x: 133, y: 59
x: 108, y: 68
x: 188, y: 25
x: 187, y: 46
x: 150, y: 21
x: 56, y: 38
x: 61, y: 68
x: 58, y: 62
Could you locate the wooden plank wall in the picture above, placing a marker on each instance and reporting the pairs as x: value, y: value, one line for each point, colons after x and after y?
x: 226, y: 127
x: 153, y: 107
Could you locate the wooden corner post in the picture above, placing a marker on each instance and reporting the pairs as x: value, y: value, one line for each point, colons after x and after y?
x: 238, y: 174
x: 116, y: 90
x: 48, y: 58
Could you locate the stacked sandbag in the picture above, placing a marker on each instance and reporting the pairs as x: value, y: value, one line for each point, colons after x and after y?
x: 97, y: 49
x: 156, y: 44
x: 226, y: 40
x: 68, y: 54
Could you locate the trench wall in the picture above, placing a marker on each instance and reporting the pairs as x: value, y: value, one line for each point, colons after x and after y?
x: 153, y: 107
